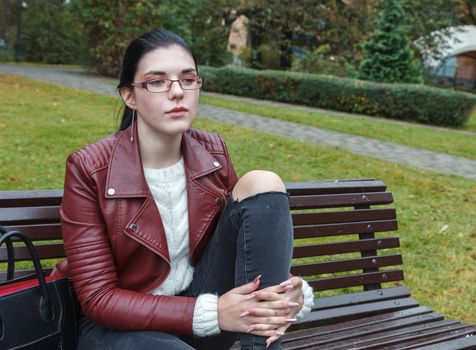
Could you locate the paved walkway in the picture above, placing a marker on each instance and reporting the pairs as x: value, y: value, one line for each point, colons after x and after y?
x: 438, y: 162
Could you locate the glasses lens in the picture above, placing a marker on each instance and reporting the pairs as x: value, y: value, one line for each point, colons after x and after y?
x: 191, y: 82
x: 159, y: 85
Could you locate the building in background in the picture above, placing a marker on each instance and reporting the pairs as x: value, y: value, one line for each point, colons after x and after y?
x: 458, y: 66
x: 238, y: 39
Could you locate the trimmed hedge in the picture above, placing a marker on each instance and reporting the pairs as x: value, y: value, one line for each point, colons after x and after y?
x: 409, y: 102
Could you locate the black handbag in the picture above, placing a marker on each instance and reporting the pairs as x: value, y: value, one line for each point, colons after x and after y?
x: 36, y: 313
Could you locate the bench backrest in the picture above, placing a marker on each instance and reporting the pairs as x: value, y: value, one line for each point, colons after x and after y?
x: 337, y: 230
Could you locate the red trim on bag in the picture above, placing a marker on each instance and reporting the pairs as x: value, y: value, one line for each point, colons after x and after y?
x: 19, y: 286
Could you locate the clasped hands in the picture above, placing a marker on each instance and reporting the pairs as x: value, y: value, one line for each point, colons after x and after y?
x: 267, y: 312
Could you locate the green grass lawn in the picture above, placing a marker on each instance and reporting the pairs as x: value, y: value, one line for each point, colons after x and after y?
x: 41, y: 123
x: 443, y: 140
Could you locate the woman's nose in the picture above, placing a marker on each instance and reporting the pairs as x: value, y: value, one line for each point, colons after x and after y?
x: 175, y: 89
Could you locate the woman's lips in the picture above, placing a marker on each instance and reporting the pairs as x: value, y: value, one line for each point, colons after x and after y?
x: 177, y: 112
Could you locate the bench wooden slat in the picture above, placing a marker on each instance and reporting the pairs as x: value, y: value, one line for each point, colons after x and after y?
x: 438, y: 340
x: 363, y: 331
x: 335, y: 186
x: 30, y: 215
x: 358, y: 312
x: 395, y: 337
x: 30, y: 198
x: 399, y: 337
x: 356, y: 280
x: 326, y: 230
x: 39, y: 232
x: 45, y: 251
x: 23, y: 273
x: 445, y: 342
x: 346, y: 265
x: 300, y: 332
x: 345, y: 247
x: 339, y: 200
x: 357, y: 298
x: 357, y: 215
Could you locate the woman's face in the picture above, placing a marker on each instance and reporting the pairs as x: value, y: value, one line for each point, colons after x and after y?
x: 166, y: 113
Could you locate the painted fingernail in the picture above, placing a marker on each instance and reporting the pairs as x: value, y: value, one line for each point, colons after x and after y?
x: 291, y: 320
x: 244, y: 313
x: 288, y: 287
x: 292, y: 304
x: 250, y: 329
x: 285, y: 283
x: 257, y: 279
x: 268, y: 343
x: 279, y: 333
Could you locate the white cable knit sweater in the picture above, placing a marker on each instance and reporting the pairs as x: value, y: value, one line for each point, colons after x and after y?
x: 168, y: 188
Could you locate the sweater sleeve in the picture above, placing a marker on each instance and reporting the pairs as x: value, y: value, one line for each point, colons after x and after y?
x: 205, y: 316
x: 308, y: 300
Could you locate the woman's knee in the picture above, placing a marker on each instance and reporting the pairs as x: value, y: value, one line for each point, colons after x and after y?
x: 257, y: 181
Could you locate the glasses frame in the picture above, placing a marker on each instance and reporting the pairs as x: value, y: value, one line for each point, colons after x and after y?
x: 144, y: 84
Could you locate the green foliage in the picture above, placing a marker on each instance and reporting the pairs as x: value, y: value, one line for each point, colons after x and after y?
x: 429, y: 24
x: 387, y: 54
x: 50, y: 33
x: 209, y: 23
x: 397, y: 101
x: 109, y: 27
x: 6, y: 55
x: 7, y: 21
x: 319, y: 62
x: 276, y: 28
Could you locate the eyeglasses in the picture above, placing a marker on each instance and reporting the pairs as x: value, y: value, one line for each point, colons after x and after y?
x: 188, y: 82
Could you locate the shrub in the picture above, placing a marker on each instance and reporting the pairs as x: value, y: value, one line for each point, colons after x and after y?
x: 50, y: 33
x: 409, y: 102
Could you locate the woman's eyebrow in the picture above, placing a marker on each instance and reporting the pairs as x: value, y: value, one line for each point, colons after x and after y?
x: 156, y: 72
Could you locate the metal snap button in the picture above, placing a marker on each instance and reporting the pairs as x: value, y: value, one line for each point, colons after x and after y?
x: 216, y: 164
x: 111, y: 191
x: 218, y: 201
x: 133, y: 227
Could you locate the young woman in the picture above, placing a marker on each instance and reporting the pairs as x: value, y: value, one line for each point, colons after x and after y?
x: 166, y: 247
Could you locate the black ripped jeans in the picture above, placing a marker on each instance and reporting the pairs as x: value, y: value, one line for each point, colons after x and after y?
x: 253, y: 237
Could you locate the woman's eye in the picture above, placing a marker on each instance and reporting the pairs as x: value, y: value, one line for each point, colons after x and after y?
x: 156, y: 82
x: 188, y: 80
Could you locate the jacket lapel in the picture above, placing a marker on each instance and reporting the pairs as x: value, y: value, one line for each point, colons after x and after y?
x: 126, y: 180
x: 202, y: 206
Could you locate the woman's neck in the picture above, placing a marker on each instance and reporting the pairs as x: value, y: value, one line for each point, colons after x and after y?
x: 159, y: 152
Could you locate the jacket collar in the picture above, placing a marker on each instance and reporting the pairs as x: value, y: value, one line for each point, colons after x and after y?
x: 125, y: 177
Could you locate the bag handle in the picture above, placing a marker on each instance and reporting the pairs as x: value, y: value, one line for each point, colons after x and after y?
x: 10, y: 255
x: 46, y: 308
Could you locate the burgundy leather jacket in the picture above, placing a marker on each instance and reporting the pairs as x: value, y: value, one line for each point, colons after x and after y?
x: 114, y: 239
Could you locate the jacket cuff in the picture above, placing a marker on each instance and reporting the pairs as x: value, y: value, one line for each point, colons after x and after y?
x: 205, y: 316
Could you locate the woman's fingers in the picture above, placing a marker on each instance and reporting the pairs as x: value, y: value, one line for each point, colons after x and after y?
x: 278, y: 333
x: 292, y: 283
x: 277, y: 304
x: 289, y: 284
x: 287, y: 309
x: 265, y: 294
x: 269, y: 333
x: 273, y: 321
x: 266, y: 312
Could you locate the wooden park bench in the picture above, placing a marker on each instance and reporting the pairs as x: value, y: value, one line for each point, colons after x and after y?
x: 341, y: 246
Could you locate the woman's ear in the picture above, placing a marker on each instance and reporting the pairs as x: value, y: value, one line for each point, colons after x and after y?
x: 128, y: 97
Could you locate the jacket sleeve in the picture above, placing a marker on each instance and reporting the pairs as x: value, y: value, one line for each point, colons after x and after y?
x: 93, y: 270
x: 232, y: 178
